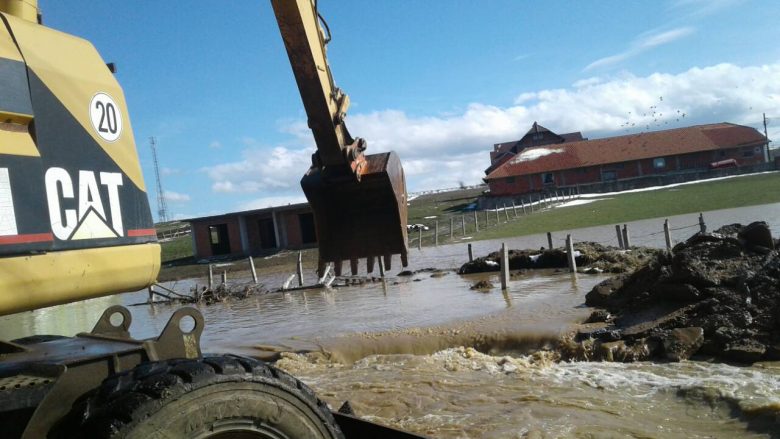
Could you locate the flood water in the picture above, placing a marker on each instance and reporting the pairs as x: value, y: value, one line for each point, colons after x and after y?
x: 427, y: 354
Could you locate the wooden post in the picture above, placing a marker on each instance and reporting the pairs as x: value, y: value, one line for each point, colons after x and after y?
x: 211, y: 277
x: 436, y: 233
x: 224, y: 277
x: 619, y: 236
x: 476, y: 222
x: 549, y: 241
x: 487, y: 219
x: 626, y: 237
x: 702, y: 226
x: 506, y: 212
x: 514, y: 208
x: 300, y: 269
x: 419, y: 238
x: 522, y: 204
x: 504, y: 266
x: 531, y: 203
x: 452, y: 227
x: 667, y: 235
x: 471, y: 255
x: 498, y: 218
x: 570, y: 254
x: 252, y: 267
x: 463, y: 223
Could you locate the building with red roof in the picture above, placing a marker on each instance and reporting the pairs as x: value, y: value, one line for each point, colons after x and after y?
x: 543, y: 161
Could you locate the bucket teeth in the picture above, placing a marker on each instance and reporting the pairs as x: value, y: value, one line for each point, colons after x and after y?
x: 370, y: 264
x: 353, y: 266
x: 388, y: 261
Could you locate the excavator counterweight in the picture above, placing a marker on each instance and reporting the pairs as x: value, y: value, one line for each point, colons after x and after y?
x: 359, y: 200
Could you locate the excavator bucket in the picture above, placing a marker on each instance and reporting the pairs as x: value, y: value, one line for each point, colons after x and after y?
x: 363, y: 218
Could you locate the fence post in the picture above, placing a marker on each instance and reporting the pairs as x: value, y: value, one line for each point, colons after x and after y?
x: 522, y: 204
x: 570, y: 254
x: 471, y: 255
x: 436, y: 233
x: 619, y: 236
x: 463, y: 223
x: 224, y: 277
x: 626, y: 237
x: 667, y: 235
x: 487, y: 219
x: 549, y: 241
x: 498, y: 217
x: 504, y: 266
x: 702, y: 226
x: 452, y: 227
x: 506, y: 212
x: 300, y: 269
x: 514, y: 208
x: 476, y: 222
x: 419, y: 238
x: 252, y: 267
x: 211, y: 277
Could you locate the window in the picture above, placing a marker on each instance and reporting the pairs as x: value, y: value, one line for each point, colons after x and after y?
x: 659, y: 163
x: 548, y: 178
x: 747, y: 153
x: 510, y: 180
x: 609, y: 175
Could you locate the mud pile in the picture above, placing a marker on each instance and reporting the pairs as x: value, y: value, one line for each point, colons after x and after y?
x: 717, y: 294
x: 591, y: 255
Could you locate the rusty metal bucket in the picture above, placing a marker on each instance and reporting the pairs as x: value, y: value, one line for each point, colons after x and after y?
x: 360, y: 219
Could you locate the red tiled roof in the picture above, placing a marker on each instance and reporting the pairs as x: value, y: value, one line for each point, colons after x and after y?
x: 630, y: 147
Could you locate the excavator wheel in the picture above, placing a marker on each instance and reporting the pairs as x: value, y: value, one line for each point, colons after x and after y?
x: 360, y: 219
x: 213, y: 397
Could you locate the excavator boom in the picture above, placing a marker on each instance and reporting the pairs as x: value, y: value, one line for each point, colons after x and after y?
x: 359, y: 201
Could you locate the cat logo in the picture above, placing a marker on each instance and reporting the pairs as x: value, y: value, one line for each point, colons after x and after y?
x: 88, y: 220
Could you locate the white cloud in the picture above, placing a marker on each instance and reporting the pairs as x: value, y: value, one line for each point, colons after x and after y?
x: 260, y: 168
x: 441, y: 151
x: 175, y: 197
x: 271, y: 201
x: 642, y: 44
x: 169, y: 171
x: 215, y: 144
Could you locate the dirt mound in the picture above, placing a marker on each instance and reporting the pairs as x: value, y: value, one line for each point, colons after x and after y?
x: 717, y: 294
x: 587, y: 254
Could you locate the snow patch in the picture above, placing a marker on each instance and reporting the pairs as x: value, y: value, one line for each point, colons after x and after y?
x: 534, y: 153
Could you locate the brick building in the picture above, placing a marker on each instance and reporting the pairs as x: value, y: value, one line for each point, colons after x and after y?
x: 253, y: 232
x: 543, y: 161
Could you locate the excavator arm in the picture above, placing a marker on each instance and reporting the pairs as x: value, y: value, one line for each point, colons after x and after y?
x: 359, y: 200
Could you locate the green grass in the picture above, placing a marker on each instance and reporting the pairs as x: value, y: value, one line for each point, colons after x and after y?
x: 700, y: 197
x: 177, y: 248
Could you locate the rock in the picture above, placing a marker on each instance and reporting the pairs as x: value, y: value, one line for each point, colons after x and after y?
x: 438, y: 274
x: 757, y: 234
x: 482, y: 285
x: 405, y: 273
x: 745, y: 351
x: 601, y: 293
x: 681, y: 343
x: 599, y: 316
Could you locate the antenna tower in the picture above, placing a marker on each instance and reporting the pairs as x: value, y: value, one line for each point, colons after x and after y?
x: 162, y: 208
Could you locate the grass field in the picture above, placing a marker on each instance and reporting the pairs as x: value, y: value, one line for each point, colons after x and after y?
x: 700, y: 197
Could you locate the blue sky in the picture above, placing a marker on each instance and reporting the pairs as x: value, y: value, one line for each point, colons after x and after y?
x: 437, y: 81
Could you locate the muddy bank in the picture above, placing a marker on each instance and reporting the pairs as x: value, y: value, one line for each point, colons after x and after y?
x: 588, y: 255
x: 717, y: 294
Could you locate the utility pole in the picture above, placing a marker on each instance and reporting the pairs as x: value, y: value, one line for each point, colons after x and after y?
x: 162, y: 208
x: 766, y: 145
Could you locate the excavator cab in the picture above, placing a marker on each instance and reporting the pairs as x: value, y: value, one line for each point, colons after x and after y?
x: 359, y: 201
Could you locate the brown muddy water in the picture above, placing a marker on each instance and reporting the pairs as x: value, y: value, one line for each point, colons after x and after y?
x: 427, y: 354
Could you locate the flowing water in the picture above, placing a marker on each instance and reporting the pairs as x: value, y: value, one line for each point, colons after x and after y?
x: 427, y: 354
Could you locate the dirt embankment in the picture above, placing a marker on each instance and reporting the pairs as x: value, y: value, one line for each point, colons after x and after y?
x: 717, y: 294
x: 589, y: 255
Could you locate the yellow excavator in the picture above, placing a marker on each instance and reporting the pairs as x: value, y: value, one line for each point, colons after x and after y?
x: 75, y: 223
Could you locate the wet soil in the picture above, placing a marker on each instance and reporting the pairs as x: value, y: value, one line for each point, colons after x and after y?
x: 589, y: 256
x: 716, y: 294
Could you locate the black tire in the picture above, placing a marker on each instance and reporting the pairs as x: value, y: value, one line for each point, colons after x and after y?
x: 214, y: 397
